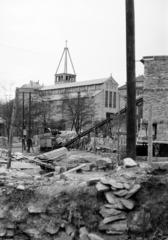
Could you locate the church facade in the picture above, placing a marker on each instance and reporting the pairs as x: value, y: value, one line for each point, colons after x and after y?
x: 102, y: 94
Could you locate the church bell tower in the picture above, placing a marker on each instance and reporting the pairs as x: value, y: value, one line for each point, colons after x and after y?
x: 64, y: 76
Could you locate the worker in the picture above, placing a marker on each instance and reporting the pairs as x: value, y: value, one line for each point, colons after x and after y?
x: 23, y: 144
x: 29, y: 144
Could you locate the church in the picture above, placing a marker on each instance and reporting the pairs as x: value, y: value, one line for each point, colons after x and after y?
x: 103, y: 93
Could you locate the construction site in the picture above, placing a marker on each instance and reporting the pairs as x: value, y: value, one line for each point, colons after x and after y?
x: 87, y: 160
x: 84, y: 185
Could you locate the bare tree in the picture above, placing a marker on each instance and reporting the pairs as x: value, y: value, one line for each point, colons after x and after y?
x: 6, y: 113
x: 40, y: 115
x: 78, y: 111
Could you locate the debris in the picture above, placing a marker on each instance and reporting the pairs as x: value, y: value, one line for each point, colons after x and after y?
x: 55, y: 155
x: 52, y: 228
x: 36, y: 209
x: 133, y: 190
x: 114, y: 228
x: 70, y: 230
x: 21, y: 187
x: 129, y: 204
x: 45, y: 165
x: 120, y: 193
x: 101, y: 187
x: 63, y: 236
x: 112, y: 182
x: 23, y: 165
x: 83, y: 231
x: 74, y: 169
x: 93, y: 181
x: 129, y: 162
x: 93, y: 236
x: 111, y: 198
x: 113, y: 218
x: 107, y: 212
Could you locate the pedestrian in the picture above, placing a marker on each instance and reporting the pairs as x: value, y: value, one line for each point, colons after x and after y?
x: 23, y: 144
x: 29, y: 144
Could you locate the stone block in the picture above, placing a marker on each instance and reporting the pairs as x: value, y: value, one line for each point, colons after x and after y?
x: 127, y: 203
x: 133, y: 190
x: 101, y: 187
x: 116, y: 227
x: 129, y: 162
x: 107, y: 212
x: 114, y: 218
x: 93, y: 236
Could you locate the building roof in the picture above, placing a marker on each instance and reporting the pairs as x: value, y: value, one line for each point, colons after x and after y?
x: 139, y: 82
x: 58, y: 97
x: 78, y: 84
x: 32, y: 84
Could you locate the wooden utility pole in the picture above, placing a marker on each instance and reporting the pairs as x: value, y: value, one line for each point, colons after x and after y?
x: 29, y: 134
x: 23, y: 119
x: 118, y: 142
x: 11, y: 130
x: 131, y: 84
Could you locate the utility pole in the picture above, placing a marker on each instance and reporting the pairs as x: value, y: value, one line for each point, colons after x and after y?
x: 131, y: 84
x: 118, y: 141
x: 23, y: 119
x: 29, y: 115
x: 11, y: 129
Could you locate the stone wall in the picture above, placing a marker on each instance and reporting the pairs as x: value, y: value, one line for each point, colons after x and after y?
x: 156, y: 93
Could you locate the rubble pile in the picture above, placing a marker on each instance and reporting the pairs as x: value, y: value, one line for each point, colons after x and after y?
x: 118, y: 191
x: 73, y: 212
x: 61, y: 160
x: 66, y: 136
x: 87, y: 197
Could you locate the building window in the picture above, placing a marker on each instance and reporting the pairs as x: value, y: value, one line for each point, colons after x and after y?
x: 110, y: 100
x: 154, y: 131
x: 106, y: 98
x: 114, y: 100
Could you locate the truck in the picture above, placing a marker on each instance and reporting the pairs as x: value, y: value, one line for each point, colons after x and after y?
x: 48, y: 142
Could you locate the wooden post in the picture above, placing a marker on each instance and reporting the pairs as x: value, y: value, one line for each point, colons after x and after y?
x: 11, y: 130
x: 131, y: 87
x: 23, y: 118
x: 150, y: 142
x: 29, y: 115
x: 118, y: 143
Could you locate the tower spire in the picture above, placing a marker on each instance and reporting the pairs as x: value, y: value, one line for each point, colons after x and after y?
x: 65, y: 63
x: 64, y: 76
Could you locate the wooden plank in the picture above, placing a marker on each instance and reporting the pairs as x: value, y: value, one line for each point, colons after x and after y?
x: 69, y: 171
x: 75, y: 169
x: 43, y: 164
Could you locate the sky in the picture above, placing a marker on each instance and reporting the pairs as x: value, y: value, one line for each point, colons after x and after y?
x: 33, y: 35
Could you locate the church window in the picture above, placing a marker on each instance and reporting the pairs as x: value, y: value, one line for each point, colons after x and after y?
x: 110, y: 100
x: 114, y: 100
x: 106, y: 98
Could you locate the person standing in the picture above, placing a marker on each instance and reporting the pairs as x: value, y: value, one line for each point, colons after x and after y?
x: 29, y: 144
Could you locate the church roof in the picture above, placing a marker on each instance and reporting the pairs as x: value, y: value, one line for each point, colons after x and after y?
x: 57, y: 97
x: 78, y: 84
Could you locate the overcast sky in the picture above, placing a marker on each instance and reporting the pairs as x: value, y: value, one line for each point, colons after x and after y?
x: 33, y: 34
